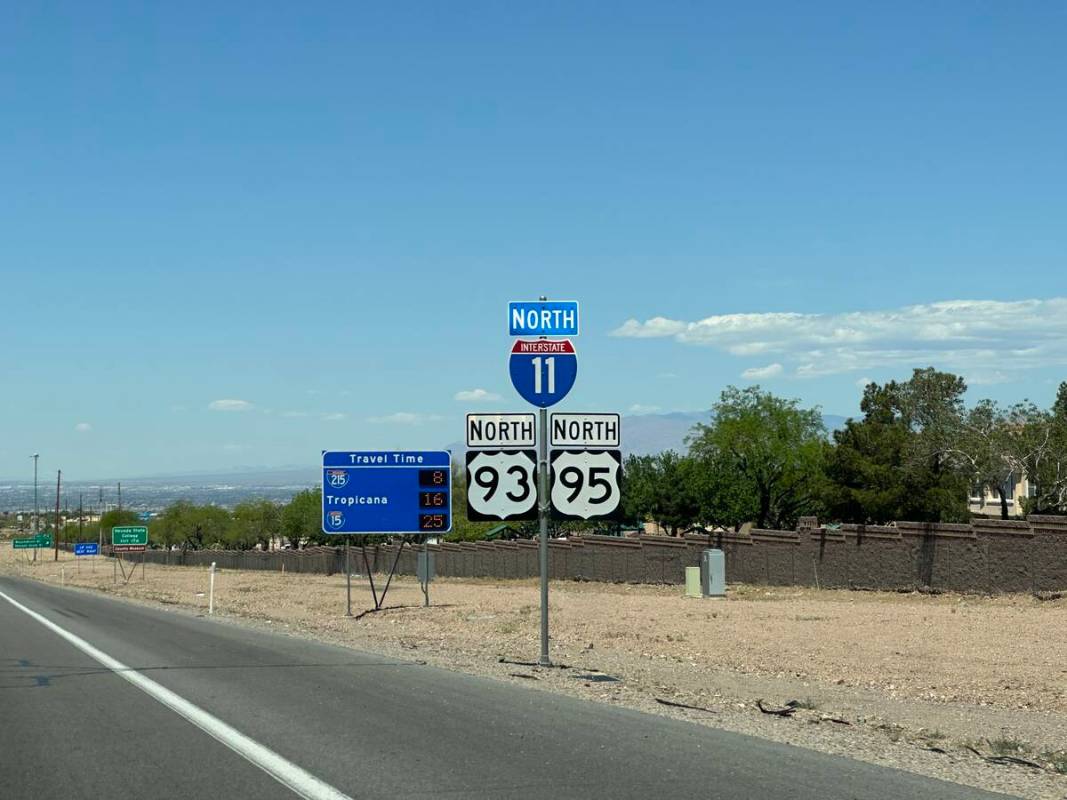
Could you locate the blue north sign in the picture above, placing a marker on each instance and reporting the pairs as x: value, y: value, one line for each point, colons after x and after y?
x: 386, y: 491
x: 543, y: 318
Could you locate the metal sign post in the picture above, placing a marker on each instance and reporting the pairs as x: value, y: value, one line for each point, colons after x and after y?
x: 348, y: 574
x: 82, y: 549
x: 374, y: 492
x: 426, y: 572
x: 542, y: 522
x: 543, y: 372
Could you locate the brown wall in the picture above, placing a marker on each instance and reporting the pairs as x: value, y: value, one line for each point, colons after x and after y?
x: 990, y: 556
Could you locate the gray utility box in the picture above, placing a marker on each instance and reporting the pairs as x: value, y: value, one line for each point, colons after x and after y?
x: 713, y: 573
x: 424, y: 567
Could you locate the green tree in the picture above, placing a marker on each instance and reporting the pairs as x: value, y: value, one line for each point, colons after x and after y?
x: 1045, y: 437
x: 255, y: 522
x: 191, y: 526
x: 301, y: 518
x: 661, y: 488
x: 993, y: 446
x: 763, y: 450
x: 116, y: 518
x: 880, y: 469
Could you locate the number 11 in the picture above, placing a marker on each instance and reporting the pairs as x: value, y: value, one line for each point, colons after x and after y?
x: 550, y: 363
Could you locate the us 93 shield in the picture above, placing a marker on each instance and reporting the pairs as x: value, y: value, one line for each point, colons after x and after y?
x: 501, y: 485
x: 586, y: 484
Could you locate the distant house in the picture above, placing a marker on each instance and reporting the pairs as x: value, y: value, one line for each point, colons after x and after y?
x: 983, y: 500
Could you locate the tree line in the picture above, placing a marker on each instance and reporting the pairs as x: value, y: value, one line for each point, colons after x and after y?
x: 916, y: 453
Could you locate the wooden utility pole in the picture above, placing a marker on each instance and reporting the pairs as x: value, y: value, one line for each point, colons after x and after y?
x: 120, y: 495
x: 55, y: 531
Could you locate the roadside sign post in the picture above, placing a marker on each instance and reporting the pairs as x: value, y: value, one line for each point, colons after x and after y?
x: 425, y: 571
x: 348, y: 577
x: 130, y: 539
x: 543, y: 372
x: 384, y: 492
x: 85, y: 549
x: 36, y: 541
x: 582, y: 479
x: 542, y: 520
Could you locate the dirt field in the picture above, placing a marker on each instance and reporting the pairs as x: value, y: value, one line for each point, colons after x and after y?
x: 888, y: 678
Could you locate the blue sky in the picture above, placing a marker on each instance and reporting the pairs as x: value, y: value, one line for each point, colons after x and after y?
x: 322, y: 210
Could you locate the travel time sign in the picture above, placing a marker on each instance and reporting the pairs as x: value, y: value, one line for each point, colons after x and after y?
x: 386, y: 491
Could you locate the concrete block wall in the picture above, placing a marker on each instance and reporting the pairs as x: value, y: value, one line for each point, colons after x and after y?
x: 989, y: 556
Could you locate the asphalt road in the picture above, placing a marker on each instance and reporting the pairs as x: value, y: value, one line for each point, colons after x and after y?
x: 326, y: 719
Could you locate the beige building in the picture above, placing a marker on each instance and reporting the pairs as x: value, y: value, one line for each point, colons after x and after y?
x: 984, y: 501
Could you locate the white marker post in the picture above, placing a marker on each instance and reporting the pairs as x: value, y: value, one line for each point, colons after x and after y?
x: 211, y: 591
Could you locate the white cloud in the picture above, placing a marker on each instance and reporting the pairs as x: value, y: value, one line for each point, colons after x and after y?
x: 861, y: 383
x: 977, y: 337
x: 761, y: 373
x: 229, y: 405
x: 639, y: 408
x: 326, y: 416
x: 83, y: 427
x: 650, y: 329
x: 476, y: 396
x: 404, y: 418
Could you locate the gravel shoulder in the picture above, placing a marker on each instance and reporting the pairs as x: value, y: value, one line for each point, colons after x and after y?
x: 904, y: 680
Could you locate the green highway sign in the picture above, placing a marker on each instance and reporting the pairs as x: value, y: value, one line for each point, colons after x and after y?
x: 40, y: 540
x: 127, y: 538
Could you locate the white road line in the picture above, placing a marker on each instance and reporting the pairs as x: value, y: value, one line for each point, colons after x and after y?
x: 281, y: 769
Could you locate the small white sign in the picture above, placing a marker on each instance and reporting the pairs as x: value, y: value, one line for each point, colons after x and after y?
x: 586, y: 430
x: 507, y: 431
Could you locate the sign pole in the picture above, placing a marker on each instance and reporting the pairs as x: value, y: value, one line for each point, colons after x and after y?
x: 426, y: 575
x: 348, y: 573
x: 55, y: 538
x: 542, y: 520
